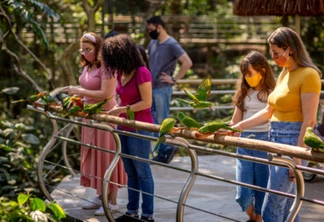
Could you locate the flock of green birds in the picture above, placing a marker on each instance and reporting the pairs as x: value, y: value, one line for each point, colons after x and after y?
x: 197, y: 100
x: 71, y: 105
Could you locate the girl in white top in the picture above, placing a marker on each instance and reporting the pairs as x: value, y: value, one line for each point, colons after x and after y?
x: 256, y: 83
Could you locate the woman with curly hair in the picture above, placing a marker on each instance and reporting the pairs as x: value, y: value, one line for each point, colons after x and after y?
x: 121, y: 58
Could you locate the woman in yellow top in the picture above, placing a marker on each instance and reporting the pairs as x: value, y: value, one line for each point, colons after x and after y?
x: 292, y: 107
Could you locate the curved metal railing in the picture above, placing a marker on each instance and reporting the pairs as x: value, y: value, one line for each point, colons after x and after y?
x: 178, y: 141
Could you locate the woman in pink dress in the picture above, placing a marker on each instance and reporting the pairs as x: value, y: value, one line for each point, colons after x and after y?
x: 95, y: 87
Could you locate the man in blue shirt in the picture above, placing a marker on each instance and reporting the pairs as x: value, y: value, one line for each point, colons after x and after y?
x: 164, y: 54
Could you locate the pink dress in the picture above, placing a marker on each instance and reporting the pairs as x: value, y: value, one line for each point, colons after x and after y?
x: 94, y: 163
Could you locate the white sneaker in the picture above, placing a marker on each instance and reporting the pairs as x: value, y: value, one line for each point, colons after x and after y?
x: 113, y: 209
x: 94, y: 203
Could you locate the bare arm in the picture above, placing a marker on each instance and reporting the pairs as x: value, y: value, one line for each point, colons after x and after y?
x: 308, y: 101
x: 257, y: 119
x: 186, y: 63
x: 237, y: 116
x: 145, y: 102
x: 108, y: 87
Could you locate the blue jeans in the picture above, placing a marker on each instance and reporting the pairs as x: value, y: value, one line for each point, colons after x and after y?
x: 160, y: 111
x: 251, y: 173
x: 139, y: 174
x: 276, y: 207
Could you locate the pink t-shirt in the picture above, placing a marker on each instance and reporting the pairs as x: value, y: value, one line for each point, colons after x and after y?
x: 130, y: 94
x: 92, y: 81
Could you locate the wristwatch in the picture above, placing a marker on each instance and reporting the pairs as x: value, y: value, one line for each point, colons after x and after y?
x: 173, y: 79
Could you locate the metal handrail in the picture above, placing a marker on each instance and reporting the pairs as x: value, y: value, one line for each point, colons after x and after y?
x: 180, y: 141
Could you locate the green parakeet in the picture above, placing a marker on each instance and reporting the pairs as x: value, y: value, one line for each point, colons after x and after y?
x: 64, y: 99
x: 312, y: 140
x: 214, y: 126
x: 73, y: 110
x: 95, y: 108
x: 48, y: 99
x: 166, y: 127
x: 202, y: 92
x: 196, y: 105
x: 189, y: 122
x: 130, y: 113
x: 199, y: 98
x: 30, y: 99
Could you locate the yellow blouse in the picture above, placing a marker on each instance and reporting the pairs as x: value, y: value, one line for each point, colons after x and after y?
x: 286, y: 97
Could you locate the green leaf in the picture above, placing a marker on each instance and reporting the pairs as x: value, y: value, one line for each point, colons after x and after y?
x: 5, y: 147
x: 8, y: 132
x: 57, y: 210
x: 9, y: 90
x: 22, y: 198
x: 7, y: 124
x: 37, y: 204
x: 21, y: 144
x: 30, y: 138
x: 20, y: 126
x: 13, y: 203
x: 4, y: 175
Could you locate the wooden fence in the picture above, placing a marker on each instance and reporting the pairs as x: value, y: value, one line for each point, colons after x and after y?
x: 191, y: 29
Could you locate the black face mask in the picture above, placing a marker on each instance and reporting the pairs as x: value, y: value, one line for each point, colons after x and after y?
x: 154, y: 34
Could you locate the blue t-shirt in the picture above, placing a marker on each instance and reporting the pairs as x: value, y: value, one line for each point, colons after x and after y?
x: 163, y: 58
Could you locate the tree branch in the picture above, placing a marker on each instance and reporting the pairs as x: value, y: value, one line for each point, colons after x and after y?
x: 18, y: 67
x: 3, y: 14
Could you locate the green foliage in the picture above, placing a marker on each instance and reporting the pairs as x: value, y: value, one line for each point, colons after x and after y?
x: 29, y: 208
x: 19, y: 149
x: 24, y: 9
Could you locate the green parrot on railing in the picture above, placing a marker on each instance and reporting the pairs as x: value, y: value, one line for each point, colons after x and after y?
x: 213, y: 127
x: 30, y: 99
x: 312, y: 140
x: 189, y: 122
x: 166, y: 127
x: 95, y: 108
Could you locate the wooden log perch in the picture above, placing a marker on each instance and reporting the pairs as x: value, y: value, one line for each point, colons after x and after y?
x: 271, y: 147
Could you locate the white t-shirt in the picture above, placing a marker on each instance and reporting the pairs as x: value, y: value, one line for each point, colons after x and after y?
x: 253, y: 105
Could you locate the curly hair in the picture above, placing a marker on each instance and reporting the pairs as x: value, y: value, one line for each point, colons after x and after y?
x: 260, y: 64
x: 120, y: 54
x: 97, y: 46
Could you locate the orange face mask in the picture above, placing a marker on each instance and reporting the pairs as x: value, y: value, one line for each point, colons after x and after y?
x: 254, y: 81
x: 281, y: 60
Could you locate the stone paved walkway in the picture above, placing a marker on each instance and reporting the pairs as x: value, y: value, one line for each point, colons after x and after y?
x: 207, y: 194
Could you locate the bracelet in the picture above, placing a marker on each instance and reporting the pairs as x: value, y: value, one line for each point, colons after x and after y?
x: 173, y: 79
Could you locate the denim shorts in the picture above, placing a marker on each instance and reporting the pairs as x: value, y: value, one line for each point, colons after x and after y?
x: 276, y: 207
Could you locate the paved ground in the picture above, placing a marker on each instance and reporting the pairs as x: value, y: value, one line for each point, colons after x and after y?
x: 207, y: 194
